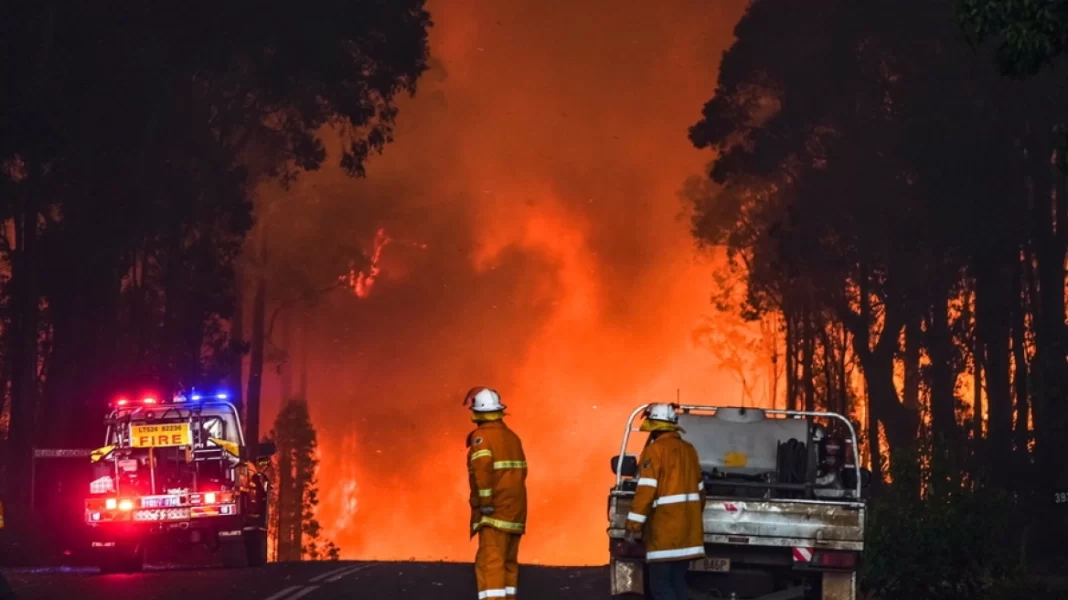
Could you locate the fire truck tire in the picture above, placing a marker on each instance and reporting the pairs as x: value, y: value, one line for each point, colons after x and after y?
x: 122, y: 560
x: 6, y: 593
x: 233, y: 553
x: 256, y: 548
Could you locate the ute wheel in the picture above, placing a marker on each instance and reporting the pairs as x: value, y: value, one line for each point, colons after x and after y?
x: 256, y: 547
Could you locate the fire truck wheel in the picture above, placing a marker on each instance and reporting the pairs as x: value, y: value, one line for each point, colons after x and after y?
x: 122, y: 560
x: 233, y: 554
x: 6, y: 593
x: 256, y: 548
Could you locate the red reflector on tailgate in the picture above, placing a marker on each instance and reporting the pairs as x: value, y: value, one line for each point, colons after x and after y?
x: 836, y: 560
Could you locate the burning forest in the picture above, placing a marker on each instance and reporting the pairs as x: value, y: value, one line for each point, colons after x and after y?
x: 551, y: 262
x: 291, y: 239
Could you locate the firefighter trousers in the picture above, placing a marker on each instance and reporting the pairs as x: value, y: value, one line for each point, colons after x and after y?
x: 497, y: 563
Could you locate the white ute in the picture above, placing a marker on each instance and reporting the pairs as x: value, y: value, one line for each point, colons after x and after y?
x: 785, y: 513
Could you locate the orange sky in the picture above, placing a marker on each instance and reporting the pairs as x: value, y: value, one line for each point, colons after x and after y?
x: 540, y: 163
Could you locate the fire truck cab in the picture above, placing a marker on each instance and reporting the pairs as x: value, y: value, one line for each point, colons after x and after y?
x: 177, y: 472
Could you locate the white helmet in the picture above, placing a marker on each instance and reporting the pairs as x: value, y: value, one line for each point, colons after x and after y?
x: 662, y: 412
x: 818, y: 433
x: 483, y: 399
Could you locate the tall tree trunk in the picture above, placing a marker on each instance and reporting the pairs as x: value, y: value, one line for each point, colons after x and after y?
x: 237, y: 344
x: 874, y: 448
x: 255, y: 370
x: 1049, y: 373
x: 1020, y: 379
x: 24, y: 354
x: 286, y: 369
x: 1051, y: 380
x: 943, y: 378
x: 971, y: 323
x: 911, y: 389
x: 25, y: 320
x: 830, y: 386
x: 807, y: 357
x: 304, y: 345
x: 843, y: 382
x: 791, y: 345
x: 901, y: 423
x: 993, y: 304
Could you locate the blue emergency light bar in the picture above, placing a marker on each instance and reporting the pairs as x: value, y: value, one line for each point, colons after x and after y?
x: 218, y: 396
x: 151, y: 399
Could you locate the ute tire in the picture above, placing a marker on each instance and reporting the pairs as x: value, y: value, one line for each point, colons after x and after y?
x: 255, y: 547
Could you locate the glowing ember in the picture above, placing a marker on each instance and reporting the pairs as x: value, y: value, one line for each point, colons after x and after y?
x: 361, y: 281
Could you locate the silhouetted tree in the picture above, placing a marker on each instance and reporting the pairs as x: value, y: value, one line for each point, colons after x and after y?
x: 130, y: 135
x: 296, y: 492
x: 873, y: 171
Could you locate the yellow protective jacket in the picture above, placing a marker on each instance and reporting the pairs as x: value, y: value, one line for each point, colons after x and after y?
x: 669, y: 503
x: 498, y: 473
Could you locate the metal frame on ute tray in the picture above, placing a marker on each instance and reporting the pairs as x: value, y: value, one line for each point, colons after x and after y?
x: 767, y: 411
x: 839, y: 585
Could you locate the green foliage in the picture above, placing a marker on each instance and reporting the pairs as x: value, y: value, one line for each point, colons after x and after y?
x: 954, y: 541
x: 1029, y: 33
x: 1024, y: 589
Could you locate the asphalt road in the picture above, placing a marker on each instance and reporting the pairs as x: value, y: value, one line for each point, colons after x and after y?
x: 304, y: 581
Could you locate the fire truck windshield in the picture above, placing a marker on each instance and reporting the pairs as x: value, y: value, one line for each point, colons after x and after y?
x: 170, y: 449
x: 210, y: 421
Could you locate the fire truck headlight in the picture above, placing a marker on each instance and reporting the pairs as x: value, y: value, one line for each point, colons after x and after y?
x: 126, y: 505
x: 209, y: 498
x: 111, y: 503
x: 95, y: 516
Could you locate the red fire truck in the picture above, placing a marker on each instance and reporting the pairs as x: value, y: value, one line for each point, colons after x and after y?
x: 177, y: 472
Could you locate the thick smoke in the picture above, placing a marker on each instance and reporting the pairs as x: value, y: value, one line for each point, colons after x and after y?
x: 540, y: 164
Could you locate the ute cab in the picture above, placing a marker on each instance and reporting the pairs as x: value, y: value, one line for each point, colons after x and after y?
x: 178, y: 473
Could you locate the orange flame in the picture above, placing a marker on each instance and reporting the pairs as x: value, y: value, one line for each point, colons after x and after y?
x: 362, y: 280
x: 544, y: 171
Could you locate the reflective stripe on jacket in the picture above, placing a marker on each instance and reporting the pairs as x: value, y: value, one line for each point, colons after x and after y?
x: 669, y: 503
x: 498, y: 473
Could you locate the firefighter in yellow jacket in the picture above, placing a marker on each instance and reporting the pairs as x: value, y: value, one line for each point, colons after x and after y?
x: 668, y: 505
x: 498, y: 473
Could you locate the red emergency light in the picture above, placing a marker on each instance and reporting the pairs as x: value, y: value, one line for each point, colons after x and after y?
x: 149, y: 399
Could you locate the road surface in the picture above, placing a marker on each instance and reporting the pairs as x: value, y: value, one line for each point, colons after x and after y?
x: 304, y: 581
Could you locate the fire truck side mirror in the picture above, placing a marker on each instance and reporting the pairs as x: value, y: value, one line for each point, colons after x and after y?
x: 267, y: 450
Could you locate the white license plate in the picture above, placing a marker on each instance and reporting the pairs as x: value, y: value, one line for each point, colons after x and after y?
x: 712, y: 565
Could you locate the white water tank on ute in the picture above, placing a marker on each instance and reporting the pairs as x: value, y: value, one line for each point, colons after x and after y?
x: 740, y: 440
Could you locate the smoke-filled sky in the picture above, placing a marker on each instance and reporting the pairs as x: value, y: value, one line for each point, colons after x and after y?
x: 540, y: 164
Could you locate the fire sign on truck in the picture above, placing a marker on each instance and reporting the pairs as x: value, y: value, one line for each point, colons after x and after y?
x: 160, y: 436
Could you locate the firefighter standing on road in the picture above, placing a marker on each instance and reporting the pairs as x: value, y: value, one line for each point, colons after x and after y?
x: 498, y: 473
x: 668, y: 504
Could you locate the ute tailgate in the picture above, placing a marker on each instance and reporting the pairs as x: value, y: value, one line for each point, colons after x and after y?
x: 776, y: 523
x: 815, y: 524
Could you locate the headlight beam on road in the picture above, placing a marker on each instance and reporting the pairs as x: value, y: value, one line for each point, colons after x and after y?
x: 293, y: 592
